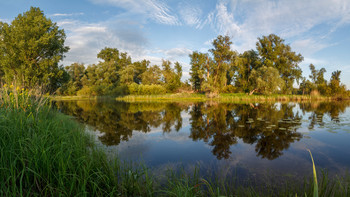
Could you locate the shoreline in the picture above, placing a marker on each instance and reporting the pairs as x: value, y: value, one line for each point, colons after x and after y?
x: 196, y: 97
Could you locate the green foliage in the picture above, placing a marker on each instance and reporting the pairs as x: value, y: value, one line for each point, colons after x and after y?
x: 274, y: 53
x: 171, y: 77
x: 199, y: 69
x: 152, y: 75
x: 30, y: 49
x: 135, y: 89
x: 266, y: 80
x: 244, y: 64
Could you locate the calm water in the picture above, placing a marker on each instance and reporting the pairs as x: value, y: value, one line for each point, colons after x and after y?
x: 260, y: 142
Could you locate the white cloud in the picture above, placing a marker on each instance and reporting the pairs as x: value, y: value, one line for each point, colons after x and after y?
x: 308, y: 46
x: 191, y: 15
x: 176, y: 53
x: 66, y: 15
x: 87, y: 39
x: 156, y: 10
x: 247, y: 20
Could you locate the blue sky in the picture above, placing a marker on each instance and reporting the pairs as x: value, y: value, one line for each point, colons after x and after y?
x: 172, y: 29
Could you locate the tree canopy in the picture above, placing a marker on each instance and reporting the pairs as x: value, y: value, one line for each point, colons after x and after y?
x: 31, y: 47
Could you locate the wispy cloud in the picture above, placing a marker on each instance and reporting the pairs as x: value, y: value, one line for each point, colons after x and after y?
x: 155, y: 10
x: 289, y: 19
x: 309, y: 46
x: 191, y: 14
x: 66, y: 15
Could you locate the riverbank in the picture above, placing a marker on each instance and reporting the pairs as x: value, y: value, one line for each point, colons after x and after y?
x: 224, y: 97
x: 46, y: 153
x: 196, y: 97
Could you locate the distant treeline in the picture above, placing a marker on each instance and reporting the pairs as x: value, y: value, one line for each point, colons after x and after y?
x: 31, y: 47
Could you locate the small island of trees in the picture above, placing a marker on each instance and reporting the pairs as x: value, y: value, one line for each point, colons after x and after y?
x: 32, y: 46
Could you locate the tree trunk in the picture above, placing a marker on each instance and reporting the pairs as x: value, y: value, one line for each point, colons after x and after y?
x: 251, y: 92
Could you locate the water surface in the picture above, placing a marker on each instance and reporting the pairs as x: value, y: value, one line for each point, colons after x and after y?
x: 251, y: 141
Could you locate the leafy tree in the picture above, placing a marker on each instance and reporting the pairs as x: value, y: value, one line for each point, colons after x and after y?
x: 140, y: 67
x: 335, y: 86
x: 171, y: 77
x: 317, y: 76
x: 222, y: 56
x: 244, y: 64
x: 75, y: 73
x: 152, y: 75
x: 212, y: 74
x: 306, y: 86
x: 266, y: 80
x: 274, y: 53
x: 30, y: 49
x: 199, y: 69
x: 127, y: 74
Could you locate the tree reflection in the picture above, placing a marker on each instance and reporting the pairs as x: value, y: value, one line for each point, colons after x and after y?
x: 271, y: 128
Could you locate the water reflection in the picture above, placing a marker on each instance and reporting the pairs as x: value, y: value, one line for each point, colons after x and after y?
x: 270, y: 128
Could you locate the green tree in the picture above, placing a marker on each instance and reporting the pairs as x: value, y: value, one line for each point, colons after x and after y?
x: 127, y: 75
x: 30, y: 50
x: 317, y: 76
x: 222, y: 56
x: 171, y: 77
x: 199, y: 71
x: 244, y: 64
x: 335, y: 86
x: 274, y: 53
x: 75, y: 72
x: 140, y: 67
x: 266, y: 80
x: 152, y: 75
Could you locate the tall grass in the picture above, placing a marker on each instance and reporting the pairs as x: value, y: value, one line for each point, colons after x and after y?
x: 46, y: 153
x: 227, y: 97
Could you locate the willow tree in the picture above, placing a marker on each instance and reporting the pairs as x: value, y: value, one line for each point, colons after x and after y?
x: 275, y: 53
x: 31, y: 47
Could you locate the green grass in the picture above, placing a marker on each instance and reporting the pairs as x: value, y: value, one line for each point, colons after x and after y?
x: 228, y: 97
x: 46, y: 153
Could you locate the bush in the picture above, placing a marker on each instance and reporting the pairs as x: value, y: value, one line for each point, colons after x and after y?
x: 315, y: 93
x: 229, y: 89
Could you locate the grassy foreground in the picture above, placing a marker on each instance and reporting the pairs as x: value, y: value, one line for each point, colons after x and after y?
x: 46, y: 153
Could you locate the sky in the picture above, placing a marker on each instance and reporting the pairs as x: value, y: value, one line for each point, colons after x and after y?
x: 172, y: 29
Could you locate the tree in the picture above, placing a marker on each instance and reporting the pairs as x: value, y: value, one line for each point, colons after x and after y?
x: 244, y: 64
x: 199, y: 71
x: 274, y: 53
x: 317, y: 76
x: 212, y: 74
x: 75, y: 72
x: 266, y: 80
x: 151, y: 76
x: 335, y: 86
x: 140, y: 67
x: 30, y: 50
x: 127, y: 74
x: 171, y: 77
x: 222, y: 55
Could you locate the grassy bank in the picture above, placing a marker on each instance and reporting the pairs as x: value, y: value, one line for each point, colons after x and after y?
x: 223, y: 97
x: 46, y: 153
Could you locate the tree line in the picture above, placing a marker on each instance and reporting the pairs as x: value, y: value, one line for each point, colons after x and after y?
x: 32, y: 46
